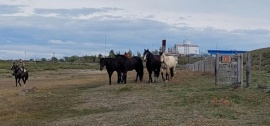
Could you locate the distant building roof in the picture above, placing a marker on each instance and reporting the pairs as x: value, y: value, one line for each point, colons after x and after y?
x: 228, y: 52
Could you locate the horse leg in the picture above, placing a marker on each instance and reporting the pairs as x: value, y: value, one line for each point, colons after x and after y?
x: 150, y: 76
x: 137, y: 75
x: 110, y: 75
x: 19, y: 81
x: 162, y: 74
x: 118, y: 77
x: 141, y: 76
x: 155, y: 76
x: 172, y: 72
x: 16, y: 81
x: 167, y: 74
x: 23, y: 81
x: 122, y: 77
x: 158, y: 73
x: 125, y: 77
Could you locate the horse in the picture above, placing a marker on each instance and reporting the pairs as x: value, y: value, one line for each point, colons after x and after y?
x: 110, y: 66
x: 125, y: 64
x: 153, y: 64
x: 169, y: 64
x: 19, y: 74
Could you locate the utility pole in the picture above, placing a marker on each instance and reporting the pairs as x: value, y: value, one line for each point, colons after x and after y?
x: 105, y: 46
x: 24, y: 55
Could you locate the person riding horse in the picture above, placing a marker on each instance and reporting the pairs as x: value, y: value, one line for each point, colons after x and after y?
x: 19, y: 72
x: 20, y: 65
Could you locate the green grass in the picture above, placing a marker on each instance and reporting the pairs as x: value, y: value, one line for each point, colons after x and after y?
x: 169, y: 103
x: 42, y: 66
x: 188, y: 100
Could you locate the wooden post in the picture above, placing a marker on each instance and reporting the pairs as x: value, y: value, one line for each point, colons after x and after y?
x: 248, y: 70
x: 242, y: 70
x: 216, y: 69
x: 238, y: 70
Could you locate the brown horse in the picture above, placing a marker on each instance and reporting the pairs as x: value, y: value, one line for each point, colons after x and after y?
x: 125, y: 64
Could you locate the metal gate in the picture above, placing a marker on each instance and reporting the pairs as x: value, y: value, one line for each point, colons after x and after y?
x: 229, y: 69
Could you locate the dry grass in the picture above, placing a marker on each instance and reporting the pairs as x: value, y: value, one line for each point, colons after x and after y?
x: 83, y: 97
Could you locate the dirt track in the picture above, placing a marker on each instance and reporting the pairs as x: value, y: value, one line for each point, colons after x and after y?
x: 52, y: 78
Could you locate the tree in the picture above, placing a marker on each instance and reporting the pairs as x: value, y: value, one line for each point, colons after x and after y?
x: 61, y: 60
x: 139, y: 54
x: 54, y: 59
x: 111, y: 54
x: 94, y: 58
x: 43, y: 59
x: 155, y: 52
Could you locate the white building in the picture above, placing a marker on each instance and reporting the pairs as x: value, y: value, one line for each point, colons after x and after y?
x: 184, y: 49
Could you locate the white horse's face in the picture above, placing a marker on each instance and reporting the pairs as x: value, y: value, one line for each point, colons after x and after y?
x: 162, y: 58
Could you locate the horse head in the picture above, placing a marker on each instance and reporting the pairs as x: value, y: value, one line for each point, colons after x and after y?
x: 146, y: 51
x: 162, y: 57
x: 102, y: 63
x: 14, y: 67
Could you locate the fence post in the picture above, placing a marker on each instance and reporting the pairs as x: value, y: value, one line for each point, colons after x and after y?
x: 248, y: 70
x: 242, y: 70
x: 238, y: 82
x: 216, y: 69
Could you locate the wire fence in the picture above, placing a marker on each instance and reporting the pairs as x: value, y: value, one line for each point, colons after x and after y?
x: 206, y: 66
x: 228, y: 69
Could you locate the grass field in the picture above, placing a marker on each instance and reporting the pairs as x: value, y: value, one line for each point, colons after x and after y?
x: 82, y: 96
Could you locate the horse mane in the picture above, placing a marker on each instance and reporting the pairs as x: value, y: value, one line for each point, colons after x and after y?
x: 122, y: 56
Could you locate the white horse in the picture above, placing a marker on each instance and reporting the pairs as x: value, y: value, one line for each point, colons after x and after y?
x: 169, y: 64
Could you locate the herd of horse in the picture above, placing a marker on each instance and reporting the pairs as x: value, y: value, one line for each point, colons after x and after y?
x: 122, y: 64
x: 154, y: 63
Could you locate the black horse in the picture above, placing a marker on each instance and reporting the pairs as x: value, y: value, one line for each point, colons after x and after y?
x: 19, y: 74
x: 153, y: 64
x: 110, y: 66
x: 125, y: 64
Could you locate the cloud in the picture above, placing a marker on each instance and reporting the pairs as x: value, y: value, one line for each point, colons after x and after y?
x: 74, y: 12
x: 60, y: 42
x: 10, y: 9
x: 260, y: 32
x: 89, y: 30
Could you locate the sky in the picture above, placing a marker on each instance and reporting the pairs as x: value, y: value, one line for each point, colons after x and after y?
x: 41, y: 29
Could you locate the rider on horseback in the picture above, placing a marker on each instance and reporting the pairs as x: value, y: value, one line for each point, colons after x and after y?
x: 20, y: 66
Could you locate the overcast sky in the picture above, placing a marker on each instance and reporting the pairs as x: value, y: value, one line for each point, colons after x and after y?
x: 42, y: 28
